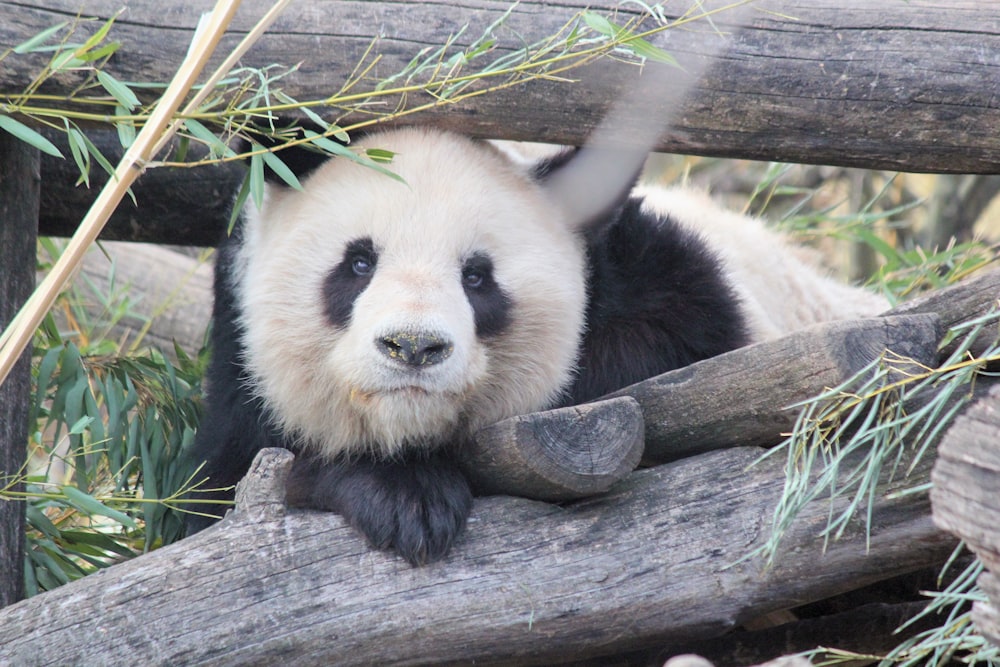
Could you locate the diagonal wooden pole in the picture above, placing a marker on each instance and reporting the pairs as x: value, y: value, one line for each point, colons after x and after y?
x: 159, y: 127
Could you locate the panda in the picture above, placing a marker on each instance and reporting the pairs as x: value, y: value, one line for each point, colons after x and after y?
x: 371, y: 325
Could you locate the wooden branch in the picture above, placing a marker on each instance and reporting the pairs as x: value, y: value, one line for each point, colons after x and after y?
x: 899, y: 85
x: 19, y: 185
x: 557, y: 455
x: 742, y: 397
x: 966, y: 497
x: 528, y: 582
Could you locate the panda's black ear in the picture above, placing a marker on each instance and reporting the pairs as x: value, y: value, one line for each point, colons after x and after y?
x: 591, y: 184
x: 301, y: 159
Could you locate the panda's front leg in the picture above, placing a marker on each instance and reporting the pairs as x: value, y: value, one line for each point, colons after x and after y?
x: 417, y: 507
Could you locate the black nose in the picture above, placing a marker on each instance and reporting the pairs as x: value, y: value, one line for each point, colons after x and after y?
x: 415, y: 348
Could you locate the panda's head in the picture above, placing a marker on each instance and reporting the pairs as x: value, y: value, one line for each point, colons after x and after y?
x: 380, y: 314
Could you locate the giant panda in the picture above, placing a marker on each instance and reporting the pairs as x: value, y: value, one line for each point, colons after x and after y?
x: 371, y: 324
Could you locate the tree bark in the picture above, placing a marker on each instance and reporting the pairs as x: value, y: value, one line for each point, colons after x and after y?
x: 743, y: 397
x: 19, y: 184
x: 660, y: 560
x: 966, y: 498
x: 902, y: 84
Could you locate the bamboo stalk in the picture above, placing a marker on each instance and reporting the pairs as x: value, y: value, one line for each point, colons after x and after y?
x: 158, y: 129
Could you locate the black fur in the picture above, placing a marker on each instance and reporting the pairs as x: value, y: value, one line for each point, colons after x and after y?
x: 234, y: 427
x: 416, y: 505
x: 657, y: 301
x: 348, y: 280
x: 490, y: 304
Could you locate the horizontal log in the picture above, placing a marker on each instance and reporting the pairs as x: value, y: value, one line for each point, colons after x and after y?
x: 529, y: 582
x: 172, y: 206
x: 742, y: 397
x: 557, y: 455
x: 904, y: 84
x: 967, y: 300
x: 172, y: 290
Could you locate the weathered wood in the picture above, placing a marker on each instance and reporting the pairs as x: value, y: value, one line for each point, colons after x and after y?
x: 557, y: 455
x: 966, y: 496
x: 174, y: 206
x: 528, y: 582
x: 167, y: 287
x: 869, y: 629
x: 884, y: 85
x: 965, y: 301
x: 19, y: 184
x: 742, y: 397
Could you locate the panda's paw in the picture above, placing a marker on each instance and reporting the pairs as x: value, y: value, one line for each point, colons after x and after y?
x: 417, y: 507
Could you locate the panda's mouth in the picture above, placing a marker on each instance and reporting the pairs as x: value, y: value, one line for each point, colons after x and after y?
x: 367, y: 396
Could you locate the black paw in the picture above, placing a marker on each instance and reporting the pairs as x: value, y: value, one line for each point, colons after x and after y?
x: 416, y: 507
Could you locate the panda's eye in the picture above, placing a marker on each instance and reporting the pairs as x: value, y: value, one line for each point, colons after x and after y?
x: 362, y: 265
x: 472, y: 278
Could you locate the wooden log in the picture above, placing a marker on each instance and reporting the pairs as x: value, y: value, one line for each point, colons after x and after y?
x: 557, y: 455
x: 173, y: 206
x: 897, y: 85
x: 528, y: 582
x: 742, y: 397
x: 966, y: 497
x: 868, y: 629
x: 167, y: 287
x: 19, y: 184
x: 967, y: 300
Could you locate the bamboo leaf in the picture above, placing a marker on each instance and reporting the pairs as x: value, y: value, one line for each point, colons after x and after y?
x: 122, y: 93
x: 28, y: 135
x: 88, y: 504
x: 32, y: 44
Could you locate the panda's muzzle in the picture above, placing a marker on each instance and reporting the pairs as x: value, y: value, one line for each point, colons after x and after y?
x: 415, y: 348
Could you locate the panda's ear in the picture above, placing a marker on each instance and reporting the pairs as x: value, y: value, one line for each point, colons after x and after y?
x: 301, y: 159
x: 590, y: 183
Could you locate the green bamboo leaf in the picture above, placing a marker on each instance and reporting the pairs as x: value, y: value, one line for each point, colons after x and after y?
x: 28, y: 135
x: 281, y: 169
x: 122, y: 93
x: 197, y: 130
x: 98, y: 36
x: 90, y: 505
x: 78, y: 149
x: 257, y: 177
x: 33, y: 43
x: 371, y: 158
x: 126, y: 128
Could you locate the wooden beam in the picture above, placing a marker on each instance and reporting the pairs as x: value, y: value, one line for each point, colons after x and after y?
x: 19, y: 185
x: 657, y: 561
x: 743, y: 397
x: 902, y: 84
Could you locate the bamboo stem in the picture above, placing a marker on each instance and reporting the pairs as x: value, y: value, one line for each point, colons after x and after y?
x: 157, y: 130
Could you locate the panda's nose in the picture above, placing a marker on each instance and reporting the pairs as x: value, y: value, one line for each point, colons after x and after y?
x: 415, y: 348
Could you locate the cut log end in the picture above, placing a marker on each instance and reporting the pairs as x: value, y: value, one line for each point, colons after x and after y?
x: 261, y: 493
x: 561, y: 454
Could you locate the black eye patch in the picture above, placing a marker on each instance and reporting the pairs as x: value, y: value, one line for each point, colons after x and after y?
x: 346, y: 281
x: 491, y: 306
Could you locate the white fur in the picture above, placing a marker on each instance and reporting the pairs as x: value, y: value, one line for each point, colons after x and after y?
x: 780, y: 290
x: 332, y: 387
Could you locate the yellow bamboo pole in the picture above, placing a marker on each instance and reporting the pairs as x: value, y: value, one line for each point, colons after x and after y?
x: 157, y: 130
